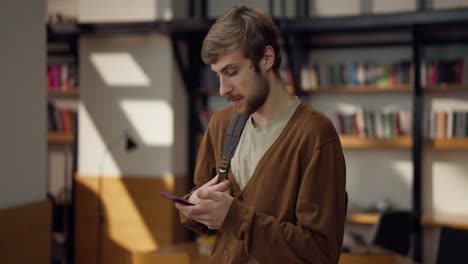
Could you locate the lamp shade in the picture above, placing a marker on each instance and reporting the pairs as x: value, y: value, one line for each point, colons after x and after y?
x: 130, y: 143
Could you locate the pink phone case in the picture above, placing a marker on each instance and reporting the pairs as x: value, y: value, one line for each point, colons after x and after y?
x: 176, y: 199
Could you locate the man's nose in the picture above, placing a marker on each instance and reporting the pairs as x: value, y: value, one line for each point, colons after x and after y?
x: 224, y: 87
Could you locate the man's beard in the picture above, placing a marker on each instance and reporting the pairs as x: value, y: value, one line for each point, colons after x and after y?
x: 256, y: 100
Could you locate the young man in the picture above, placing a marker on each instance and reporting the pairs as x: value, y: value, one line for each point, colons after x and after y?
x: 284, y: 200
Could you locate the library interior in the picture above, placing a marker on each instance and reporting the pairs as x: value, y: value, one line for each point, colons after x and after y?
x: 106, y: 102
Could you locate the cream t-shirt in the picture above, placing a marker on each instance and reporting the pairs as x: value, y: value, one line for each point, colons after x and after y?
x: 255, y: 141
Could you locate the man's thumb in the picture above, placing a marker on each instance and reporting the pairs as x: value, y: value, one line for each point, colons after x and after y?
x: 206, y: 194
x: 202, y: 194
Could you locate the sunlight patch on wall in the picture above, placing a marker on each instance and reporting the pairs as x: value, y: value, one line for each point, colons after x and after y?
x: 152, y: 120
x: 450, y: 183
x: 119, y: 69
x: 94, y: 157
x: 139, y: 236
x: 404, y: 170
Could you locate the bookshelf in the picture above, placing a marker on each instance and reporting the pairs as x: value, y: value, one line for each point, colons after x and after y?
x: 63, y: 95
x: 354, y: 142
x: 57, y: 138
x: 447, y: 98
x: 62, y: 80
x: 446, y: 88
x: 435, y: 219
x: 305, y: 31
x: 73, y: 93
x: 362, y: 218
x: 449, y: 144
x: 358, y: 89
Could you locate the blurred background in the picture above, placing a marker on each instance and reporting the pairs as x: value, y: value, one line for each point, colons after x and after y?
x: 104, y: 102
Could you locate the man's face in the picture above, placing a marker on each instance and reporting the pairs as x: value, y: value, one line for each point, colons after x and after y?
x: 242, y: 86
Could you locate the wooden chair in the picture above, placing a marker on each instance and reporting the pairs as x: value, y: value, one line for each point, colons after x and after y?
x: 453, y: 246
x: 393, y: 232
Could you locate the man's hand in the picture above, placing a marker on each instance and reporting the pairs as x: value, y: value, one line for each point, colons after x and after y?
x: 212, y: 185
x: 212, y: 204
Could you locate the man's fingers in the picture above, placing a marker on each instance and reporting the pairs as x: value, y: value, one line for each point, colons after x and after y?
x: 210, y: 195
x: 220, y: 187
x: 205, y: 194
x: 193, y: 210
x: 212, y: 181
x: 200, y: 215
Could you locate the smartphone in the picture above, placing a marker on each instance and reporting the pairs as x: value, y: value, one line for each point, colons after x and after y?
x: 176, y: 198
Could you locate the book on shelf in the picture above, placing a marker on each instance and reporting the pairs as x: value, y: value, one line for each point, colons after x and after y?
x: 323, y: 76
x: 445, y: 124
x: 446, y: 71
x: 60, y: 120
x: 374, y: 124
x: 61, y: 77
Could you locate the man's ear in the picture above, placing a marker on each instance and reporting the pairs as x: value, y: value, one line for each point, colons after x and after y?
x: 268, y: 57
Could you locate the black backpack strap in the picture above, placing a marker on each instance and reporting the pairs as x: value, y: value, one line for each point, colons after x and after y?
x: 230, y: 143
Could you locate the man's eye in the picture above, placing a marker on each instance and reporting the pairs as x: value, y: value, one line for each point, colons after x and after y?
x: 232, y: 73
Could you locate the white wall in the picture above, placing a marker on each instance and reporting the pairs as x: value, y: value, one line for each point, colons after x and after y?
x: 449, y: 4
x: 317, y: 7
x: 68, y: 8
x: 98, y: 11
x: 22, y: 103
x: 335, y: 8
x: 385, y: 6
x: 217, y: 8
x: 131, y: 82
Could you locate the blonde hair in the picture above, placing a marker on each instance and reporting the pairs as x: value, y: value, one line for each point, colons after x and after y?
x: 244, y: 28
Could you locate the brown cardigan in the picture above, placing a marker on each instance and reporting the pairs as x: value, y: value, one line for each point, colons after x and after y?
x: 292, y: 209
